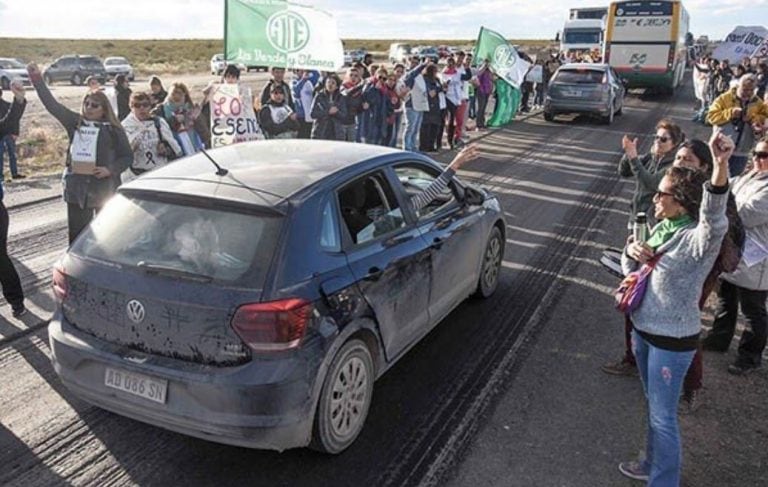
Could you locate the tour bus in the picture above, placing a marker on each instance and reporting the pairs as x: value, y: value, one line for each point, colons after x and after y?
x: 645, y: 43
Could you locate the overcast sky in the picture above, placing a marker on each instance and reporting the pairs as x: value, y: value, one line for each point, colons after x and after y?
x: 440, y: 19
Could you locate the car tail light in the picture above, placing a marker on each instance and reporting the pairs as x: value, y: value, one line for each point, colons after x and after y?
x: 59, y: 283
x: 272, y: 326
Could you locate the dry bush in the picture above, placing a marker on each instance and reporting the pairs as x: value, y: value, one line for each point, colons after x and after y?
x: 42, y: 150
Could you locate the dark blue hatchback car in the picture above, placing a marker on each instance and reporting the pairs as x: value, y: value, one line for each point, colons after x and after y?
x: 257, y: 308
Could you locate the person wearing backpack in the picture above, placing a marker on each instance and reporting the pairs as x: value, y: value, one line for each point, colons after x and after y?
x: 150, y: 137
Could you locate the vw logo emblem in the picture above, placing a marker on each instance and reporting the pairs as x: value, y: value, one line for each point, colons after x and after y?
x: 287, y: 32
x: 135, y: 311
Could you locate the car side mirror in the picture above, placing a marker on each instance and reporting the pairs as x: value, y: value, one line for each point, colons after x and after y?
x: 474, y: 196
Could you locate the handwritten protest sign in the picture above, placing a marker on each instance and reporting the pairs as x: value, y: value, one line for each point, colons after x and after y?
x: 233, y: 119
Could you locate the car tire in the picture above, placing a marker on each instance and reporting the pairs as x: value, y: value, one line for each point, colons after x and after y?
x: 548, y: 116
x: 48, y: 80
x: 77, y: 80
x: 344, y: 399
x: 5, y: 83
x: 608, y: 119
x: 488, y: 280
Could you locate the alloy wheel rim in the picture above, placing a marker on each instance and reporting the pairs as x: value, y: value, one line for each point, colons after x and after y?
x: 348, y: 398
x: 492, y: 261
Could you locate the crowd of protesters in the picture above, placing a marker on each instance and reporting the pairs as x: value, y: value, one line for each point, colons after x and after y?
x: 706, y: 234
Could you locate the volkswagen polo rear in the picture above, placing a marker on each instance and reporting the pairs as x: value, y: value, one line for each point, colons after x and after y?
x: 161, y: 318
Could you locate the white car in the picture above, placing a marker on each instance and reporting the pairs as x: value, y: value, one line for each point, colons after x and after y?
x: 11, y: 69
x: 218, y: 64
x: 118, y: 65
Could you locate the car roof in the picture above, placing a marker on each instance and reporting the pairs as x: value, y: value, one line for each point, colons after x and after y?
x: 262, y: 172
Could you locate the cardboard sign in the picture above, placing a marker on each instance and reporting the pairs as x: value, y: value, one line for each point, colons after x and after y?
x: 233, y: 119
x: 742, y: 42
x: 83, y: 150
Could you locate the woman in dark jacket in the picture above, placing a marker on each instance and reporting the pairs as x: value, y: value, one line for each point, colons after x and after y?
x: 98, y: 152
x: 123, y: 96
x: 430, y: 127
x: 329, y: 109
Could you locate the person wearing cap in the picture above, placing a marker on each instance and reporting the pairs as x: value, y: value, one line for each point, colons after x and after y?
x: 277, y: 118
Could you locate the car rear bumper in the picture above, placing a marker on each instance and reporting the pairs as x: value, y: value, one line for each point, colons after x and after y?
x: 576, y: 106
x: 263, y: 404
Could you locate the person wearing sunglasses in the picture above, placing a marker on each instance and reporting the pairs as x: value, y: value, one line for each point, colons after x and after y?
x: 666, y: 324
x: 375, y: 96
x: 150, y: 137
x: 352, y: 91
x: 98, y: 152
x: 747, y: 286
x: 647, y: 170
x: 740, y: 113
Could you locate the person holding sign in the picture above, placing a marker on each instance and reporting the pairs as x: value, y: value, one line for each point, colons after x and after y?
x: 98, y: 152
x: 180, y: 113
x: 150, y: 137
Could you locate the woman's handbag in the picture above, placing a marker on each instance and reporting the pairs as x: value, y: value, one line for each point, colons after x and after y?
x: 631, y: 291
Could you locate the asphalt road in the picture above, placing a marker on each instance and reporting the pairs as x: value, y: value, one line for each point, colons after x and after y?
x: 557, y: 183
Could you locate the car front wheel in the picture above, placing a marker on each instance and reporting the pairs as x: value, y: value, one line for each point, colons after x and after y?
x: 345, y: 399
x: 77, y: 80
x: 548, y: 116
x: 489, y: 271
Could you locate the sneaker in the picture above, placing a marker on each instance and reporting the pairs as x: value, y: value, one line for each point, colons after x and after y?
x: 634, y: 470
x: 690, y: 402
x: 622, y: 367
x: 18, y: 176
x: 19, y: 311
x: 742, y: 368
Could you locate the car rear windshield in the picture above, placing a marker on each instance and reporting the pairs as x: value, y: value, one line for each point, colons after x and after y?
x: 116, y: 61
x: 90, y: 61
x: 579, y: 76
x: 10, y: 64
x: 222, y: 245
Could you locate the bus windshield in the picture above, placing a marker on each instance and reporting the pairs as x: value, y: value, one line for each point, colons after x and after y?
x: 581, y: 36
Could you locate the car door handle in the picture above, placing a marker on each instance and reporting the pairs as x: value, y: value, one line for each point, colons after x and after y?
x: 374, y: 273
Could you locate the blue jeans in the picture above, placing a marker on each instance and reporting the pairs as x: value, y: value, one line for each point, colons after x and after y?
x: 7, y: 142
x: 395, y: 130
x: 662, y: 373
x: 413, y: 121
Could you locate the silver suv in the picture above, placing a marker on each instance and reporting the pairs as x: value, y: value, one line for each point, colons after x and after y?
x: 75, y: 69
x: 585, y: 88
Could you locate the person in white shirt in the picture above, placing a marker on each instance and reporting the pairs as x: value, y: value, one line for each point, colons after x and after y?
x: 150, y: 137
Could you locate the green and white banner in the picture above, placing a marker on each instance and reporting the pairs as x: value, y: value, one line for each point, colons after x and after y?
x: 503, y: 58
x: 281, y: 33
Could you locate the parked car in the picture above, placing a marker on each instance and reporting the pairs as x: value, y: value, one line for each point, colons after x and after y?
x: 358, y: 55
x: 219, y: 64
x: 118, y: 65
x: 75, y: 69
x: 429, y: 52
x: 348, y: 60
x: 11, y: 69
x: 257, y: 308
x: 594, y: 89
x: 399, y: 52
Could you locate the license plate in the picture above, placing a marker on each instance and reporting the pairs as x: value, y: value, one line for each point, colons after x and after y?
x: 136, y: 384
x: 573, y: 93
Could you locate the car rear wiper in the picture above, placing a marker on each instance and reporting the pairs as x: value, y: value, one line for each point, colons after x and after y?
x: 154, y: 268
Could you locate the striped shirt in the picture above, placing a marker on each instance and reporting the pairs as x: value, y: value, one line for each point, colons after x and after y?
x: 437, y: 186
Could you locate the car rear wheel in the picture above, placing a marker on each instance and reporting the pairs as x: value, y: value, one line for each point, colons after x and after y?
x: 548, y: 116
x: 48, y: 80
x: 345, y: 399
x: 489, y: 271
x: 77, y: 80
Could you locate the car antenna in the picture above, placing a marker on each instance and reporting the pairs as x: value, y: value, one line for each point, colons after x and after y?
x: 220, y: 171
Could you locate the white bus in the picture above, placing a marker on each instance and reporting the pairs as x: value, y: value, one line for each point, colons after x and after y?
x: 582, y: 35
x: 645, y: 43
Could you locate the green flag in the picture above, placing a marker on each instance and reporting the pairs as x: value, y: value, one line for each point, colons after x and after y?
x: 281, y: 33
x: 503, y: 58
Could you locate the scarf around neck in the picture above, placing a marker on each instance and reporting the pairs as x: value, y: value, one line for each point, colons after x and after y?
x: 666, y: 229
